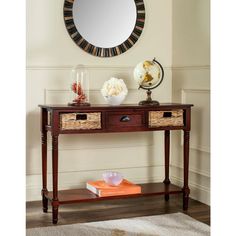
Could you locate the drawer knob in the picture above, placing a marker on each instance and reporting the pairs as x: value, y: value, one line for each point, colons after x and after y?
x: 125, y: 119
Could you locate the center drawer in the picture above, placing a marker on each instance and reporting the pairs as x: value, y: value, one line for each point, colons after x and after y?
x: 121, y: 120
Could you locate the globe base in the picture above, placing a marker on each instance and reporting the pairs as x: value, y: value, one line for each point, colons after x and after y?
x: 149, y: 103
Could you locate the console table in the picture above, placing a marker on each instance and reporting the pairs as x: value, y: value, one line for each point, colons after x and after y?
x: 62, y: 119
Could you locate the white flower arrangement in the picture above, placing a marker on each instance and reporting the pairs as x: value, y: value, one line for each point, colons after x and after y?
x: 114, y: 87
x: 114, y: 91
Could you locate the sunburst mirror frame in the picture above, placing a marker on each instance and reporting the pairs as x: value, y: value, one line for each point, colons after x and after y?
x: 98, y: 51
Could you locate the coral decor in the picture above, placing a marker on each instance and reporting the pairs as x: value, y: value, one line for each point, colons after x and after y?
x: 77, y: 89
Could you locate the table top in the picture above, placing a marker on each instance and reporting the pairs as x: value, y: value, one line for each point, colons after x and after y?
x: 123, y: 106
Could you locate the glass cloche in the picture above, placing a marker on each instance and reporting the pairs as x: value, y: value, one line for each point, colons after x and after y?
x: 80, y: 86
x: 148, y: 75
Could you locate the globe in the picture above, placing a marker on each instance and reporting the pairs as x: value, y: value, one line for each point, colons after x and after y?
x: 148, y: 74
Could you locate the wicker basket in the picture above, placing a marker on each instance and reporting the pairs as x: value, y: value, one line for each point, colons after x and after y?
x: 166, y: 118
x: 80, y: 121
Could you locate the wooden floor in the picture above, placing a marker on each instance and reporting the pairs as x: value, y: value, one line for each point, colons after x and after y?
x: 114, y: 209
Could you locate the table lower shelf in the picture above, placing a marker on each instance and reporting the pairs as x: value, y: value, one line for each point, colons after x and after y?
x: 84, y: 195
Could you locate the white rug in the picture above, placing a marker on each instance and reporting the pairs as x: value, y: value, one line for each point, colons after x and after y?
x: 177, y: 224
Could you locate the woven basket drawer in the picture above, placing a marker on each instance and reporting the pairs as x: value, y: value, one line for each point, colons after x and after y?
x: 80, y: 121
x: 166, y: 118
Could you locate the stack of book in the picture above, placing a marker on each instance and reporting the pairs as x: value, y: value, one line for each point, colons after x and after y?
x: 102, y: 189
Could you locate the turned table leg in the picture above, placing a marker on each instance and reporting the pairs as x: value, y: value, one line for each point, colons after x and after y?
x: 55, y: 202
x: 186, y: 190
x: 44, y: 171
x: 54, y: 214
x: 44, y: 159
x: 167, y: 162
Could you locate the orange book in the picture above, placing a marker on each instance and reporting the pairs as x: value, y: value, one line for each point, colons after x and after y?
x: 102, y: 189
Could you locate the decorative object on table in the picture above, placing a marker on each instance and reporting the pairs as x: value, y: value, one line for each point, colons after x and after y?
x: 102, y: 189
x: 80, y: 86
x: 112, y: 178
x: 149, y: 75
x: 114, y: 91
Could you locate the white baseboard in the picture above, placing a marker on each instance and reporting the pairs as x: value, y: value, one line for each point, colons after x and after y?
x: 197, y: 192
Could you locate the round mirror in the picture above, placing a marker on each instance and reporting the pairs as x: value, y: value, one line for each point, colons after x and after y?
x: 104, y: 28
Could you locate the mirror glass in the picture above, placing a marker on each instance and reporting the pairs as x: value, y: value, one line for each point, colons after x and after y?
x: 105, y: 23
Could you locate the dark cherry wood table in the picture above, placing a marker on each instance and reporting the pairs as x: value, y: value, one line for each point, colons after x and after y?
x: 63, y: 119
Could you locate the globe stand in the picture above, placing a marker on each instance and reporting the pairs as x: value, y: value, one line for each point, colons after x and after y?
x: 149, y: 101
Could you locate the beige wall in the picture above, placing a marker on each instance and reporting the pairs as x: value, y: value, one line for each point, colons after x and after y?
x: 191, y: 84
x: 50, y: 55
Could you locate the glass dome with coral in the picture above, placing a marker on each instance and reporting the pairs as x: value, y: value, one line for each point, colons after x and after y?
x: 80, y: 86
